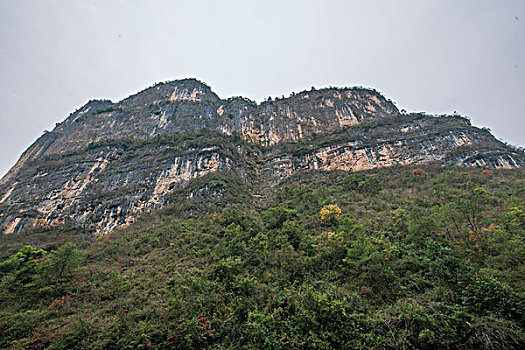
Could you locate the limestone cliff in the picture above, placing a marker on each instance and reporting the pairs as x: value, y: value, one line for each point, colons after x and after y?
x: 108, y: 162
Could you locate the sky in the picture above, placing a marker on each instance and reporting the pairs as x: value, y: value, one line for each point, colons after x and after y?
x: 435, y: 56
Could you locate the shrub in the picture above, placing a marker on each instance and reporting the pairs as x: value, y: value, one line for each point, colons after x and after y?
x: 330, y: 214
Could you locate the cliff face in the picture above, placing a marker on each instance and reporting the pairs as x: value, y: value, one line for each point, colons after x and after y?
x: 188, y: 105
x: 108, y: 162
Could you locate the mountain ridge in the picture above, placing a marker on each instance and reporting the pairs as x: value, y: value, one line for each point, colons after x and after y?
x: 145, y: 146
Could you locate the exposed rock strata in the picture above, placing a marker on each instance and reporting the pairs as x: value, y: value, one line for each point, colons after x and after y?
x: 108, y: 162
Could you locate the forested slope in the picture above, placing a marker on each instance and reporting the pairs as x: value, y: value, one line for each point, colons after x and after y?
x: 399, y: 257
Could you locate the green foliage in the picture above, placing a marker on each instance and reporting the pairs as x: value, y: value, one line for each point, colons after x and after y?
x: 22, y: 265
x: 361, y: 183
x: 62, y: 262
x: 486, y: 295
x: 516, y: 218
x: 274, y: 218
x: 413, y: 262
x: 444, y: 266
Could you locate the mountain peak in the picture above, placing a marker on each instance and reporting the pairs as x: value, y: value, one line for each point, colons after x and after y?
x: 176, y: 90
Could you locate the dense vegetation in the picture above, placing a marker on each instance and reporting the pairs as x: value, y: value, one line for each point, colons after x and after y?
x: 397, y: 258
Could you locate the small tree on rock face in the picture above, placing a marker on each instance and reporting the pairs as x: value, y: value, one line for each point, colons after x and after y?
x: 330, y: 214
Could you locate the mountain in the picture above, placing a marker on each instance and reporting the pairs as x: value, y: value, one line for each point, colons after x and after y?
x: 109, y: 162
x: 326, y: 220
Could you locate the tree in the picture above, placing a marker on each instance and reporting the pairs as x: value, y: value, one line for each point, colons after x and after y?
x: 277, y: 216
x: 330, y: 214
x: 23, y: 265
x: 62, y: 262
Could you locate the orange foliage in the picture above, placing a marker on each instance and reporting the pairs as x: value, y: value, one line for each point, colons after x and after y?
x: 55, y: 222
x: 205, y: 324
x: 43, y: 258
x: 476, y: 239
x: 285, y: 250
x: 491, y: 228
x: 59, y: 304
x: 40, y: 222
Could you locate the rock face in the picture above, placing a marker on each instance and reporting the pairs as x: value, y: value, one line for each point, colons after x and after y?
x: 108, y: 162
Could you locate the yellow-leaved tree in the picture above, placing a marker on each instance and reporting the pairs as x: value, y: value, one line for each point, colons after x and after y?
x: 330, y: 214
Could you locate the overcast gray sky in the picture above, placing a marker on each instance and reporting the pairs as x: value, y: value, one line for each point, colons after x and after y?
x: 435, y: 56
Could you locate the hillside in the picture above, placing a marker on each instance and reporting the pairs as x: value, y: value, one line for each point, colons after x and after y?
x: 426, y: 258
x: 109, y: 162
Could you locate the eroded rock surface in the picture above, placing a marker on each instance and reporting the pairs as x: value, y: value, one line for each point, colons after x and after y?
x: 108, y: 162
